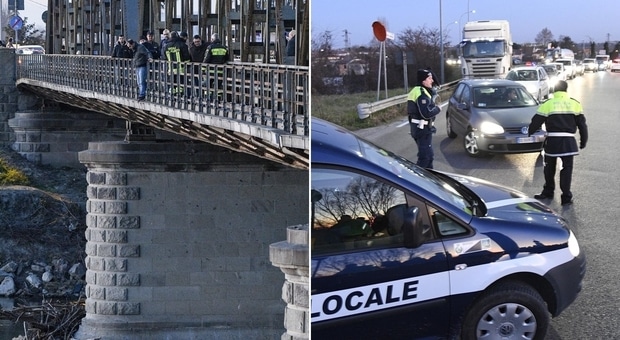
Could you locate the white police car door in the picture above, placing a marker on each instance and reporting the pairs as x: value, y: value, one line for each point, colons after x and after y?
x: 365, y: 283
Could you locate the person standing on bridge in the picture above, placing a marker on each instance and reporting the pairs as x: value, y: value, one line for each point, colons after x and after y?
x: 177, y: 55
x: 562, y: 116
x: 289, y: 57
x: 152, y: 45
x: 121, y: 50
x: 141, y: 58
x: 421, y: 110
x: 217, y: 53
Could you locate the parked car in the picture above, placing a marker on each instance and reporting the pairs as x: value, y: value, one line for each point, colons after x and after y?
x: 615, y: 65
x: 481, y: 112
x: 400, y: 252
x: 30, y: 49
x: 554, y: 74
x: 589, y: 64
x: 534, y: 78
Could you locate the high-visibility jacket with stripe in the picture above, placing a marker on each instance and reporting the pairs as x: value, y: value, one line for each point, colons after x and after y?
x: 562, y: 116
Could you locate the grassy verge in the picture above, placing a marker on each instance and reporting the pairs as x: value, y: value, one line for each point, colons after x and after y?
x: 341, y: 109
x: 11, y: 176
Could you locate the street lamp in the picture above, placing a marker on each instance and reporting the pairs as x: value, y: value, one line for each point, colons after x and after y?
x: 441, y: 43
x: 473, y: 11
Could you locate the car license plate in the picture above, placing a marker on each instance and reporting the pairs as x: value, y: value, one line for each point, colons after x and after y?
x: 521, y: 140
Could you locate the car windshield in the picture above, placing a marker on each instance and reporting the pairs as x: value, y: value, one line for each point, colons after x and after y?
x: 502, y: 97
x: 551, y: 70
x: 522, y: 75
x: 424, y: 179
x: 482, y: 49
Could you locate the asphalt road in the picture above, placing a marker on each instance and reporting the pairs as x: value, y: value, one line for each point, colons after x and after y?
x: 595, y: 215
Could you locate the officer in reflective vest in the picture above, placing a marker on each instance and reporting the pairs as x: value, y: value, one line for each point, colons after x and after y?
x: 422, y: 109
x: 562, y: 116
x: 217, y: 53
x: 177, y: 54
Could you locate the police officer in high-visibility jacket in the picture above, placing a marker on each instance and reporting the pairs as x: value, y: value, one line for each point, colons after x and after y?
x: 422, y: 109
x: 217, y: 53
x: 562, y: 116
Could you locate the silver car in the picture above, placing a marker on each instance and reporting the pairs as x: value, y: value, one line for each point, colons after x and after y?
x: 492, y: 116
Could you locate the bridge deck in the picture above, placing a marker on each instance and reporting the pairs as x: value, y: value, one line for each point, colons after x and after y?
x: 257, y: 109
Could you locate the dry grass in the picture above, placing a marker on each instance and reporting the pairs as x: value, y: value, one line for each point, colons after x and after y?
x: 341, y: 109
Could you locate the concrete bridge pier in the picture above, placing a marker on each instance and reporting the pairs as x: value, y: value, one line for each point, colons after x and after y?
x: 178, y: 241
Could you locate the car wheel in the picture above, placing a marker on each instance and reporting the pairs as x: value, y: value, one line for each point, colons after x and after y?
x: 451, y: 133
x: 539, y: 96
x: 508, y: 311
x: 471, y: 144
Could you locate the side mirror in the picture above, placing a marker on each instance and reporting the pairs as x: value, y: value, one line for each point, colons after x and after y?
x: 463, y: 106
x: 415, y: 232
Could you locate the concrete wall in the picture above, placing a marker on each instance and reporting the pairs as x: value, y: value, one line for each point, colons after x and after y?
x: 55, y: 137
x: 8, y: 93
x: 178, y: 241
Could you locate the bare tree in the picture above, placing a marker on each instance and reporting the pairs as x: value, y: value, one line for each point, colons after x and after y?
x: 544, y: 37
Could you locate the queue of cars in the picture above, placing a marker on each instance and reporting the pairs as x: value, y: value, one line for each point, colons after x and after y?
x: 416, y: 252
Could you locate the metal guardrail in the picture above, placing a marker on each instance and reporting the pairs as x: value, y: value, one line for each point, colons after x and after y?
x: 364, y: 110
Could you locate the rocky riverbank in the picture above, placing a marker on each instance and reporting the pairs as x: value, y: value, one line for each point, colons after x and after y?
x: 42, y: 229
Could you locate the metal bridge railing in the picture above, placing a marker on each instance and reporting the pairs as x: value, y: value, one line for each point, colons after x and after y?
x: 275, y: 96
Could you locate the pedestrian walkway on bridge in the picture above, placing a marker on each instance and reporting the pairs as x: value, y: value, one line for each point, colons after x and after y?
x: 261, y: 109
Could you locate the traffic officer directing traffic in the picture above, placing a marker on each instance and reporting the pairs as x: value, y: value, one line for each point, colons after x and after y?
x: 562, y: 115
x: 422, y: 109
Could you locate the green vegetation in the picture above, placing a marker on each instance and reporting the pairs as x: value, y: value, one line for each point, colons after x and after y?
x: 341, y: 109
x: 11, y: 176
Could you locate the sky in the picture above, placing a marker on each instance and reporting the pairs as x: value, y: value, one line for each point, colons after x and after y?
x: 33, y: 10
x: 527, y: 18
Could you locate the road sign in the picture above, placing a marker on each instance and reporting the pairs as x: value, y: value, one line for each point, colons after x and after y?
x: 16, y: 23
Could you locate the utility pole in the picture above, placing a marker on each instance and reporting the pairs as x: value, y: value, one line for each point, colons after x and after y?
x: 346, y: 39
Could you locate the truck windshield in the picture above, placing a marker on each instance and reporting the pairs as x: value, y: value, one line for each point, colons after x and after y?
x: 483, y: 49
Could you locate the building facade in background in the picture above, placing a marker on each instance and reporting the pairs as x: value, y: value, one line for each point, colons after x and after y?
x: 254, y: 31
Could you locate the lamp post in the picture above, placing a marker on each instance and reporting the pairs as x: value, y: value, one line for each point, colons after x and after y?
x: 446, y: 28
x: 473, y: 11
x: 441, y: 43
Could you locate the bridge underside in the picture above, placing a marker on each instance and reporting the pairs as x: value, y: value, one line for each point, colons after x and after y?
x: 215, y: 128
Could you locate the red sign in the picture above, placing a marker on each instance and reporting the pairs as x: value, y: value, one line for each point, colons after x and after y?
x: 379, y: 31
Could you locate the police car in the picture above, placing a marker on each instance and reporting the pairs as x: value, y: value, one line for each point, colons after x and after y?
x: 403, y: 252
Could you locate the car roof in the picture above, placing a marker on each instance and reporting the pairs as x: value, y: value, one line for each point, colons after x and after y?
x: 531, y: 67
x: 29, y: 46
x: 330, y: 140
x: 490, y: 82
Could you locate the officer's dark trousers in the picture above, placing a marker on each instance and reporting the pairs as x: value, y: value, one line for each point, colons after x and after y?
x: 566, y: 176
x: 424, y: 139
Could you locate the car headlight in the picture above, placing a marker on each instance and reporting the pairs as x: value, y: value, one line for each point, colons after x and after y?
x: 491, y: 128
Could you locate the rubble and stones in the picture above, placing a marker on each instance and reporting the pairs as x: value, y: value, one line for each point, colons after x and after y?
x: 42, y: 231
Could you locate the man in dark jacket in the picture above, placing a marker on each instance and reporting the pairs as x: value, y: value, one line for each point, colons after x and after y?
x: 216, y: 53
x: 165, y: 38
x: 152, y: 45
x: 177, y: 54
x: 141, y: 58
x: 197, y: 49
x: 121, y: 50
